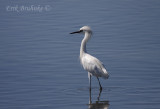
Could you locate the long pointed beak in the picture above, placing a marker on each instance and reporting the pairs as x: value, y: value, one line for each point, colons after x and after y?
x: 76, y: 32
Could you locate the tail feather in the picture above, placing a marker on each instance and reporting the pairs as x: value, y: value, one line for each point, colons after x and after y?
x: 105, y: 74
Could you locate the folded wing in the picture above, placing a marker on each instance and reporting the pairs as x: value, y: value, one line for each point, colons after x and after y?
x: 94, y: 66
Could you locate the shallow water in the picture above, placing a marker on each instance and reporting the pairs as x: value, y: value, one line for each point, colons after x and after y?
x: 39, y: 62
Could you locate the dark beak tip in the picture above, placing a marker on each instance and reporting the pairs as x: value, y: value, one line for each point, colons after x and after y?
x: 76, y: 32
x: 71, y: 33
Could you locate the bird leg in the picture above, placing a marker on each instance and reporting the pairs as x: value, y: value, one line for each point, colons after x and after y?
x: 99, y: 84
x: 99, y: 95
x: 90, y: 97
x: 90, y: 82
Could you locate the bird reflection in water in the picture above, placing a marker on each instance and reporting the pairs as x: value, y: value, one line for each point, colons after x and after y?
x: 98, y: 104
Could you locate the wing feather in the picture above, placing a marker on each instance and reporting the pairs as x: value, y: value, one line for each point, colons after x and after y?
x: 94, y: 66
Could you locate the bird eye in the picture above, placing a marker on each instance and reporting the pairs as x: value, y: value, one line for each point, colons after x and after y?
x: 81, y: 31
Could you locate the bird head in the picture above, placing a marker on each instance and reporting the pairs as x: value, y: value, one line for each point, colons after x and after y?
x: 84, y: 29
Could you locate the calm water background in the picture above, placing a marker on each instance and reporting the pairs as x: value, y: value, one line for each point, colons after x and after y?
x: 39, y: 65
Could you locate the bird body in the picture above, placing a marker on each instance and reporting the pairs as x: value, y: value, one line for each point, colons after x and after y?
x: 91, y: 64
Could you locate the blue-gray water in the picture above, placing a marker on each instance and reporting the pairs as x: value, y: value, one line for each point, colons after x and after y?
x: 39, y: 65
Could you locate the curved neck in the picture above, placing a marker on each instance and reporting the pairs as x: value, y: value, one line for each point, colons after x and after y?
x: 83, y: 43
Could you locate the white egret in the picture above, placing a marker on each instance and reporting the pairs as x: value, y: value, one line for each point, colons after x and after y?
x: 90, y: 63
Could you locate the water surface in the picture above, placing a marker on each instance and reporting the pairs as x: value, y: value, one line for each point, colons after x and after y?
x: 39, y: 62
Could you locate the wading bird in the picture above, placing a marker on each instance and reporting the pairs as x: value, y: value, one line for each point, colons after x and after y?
x: 91, y: 64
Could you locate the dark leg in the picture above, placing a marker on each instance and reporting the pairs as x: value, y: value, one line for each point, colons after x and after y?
x: 90, y: 82
x: 89, y: 76
x: 99, y: 84
x: 99, y: 95
x: 90, y: 98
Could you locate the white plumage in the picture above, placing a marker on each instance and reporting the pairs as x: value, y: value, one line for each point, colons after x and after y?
x: 91, y: 64
x: 94, y: 66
